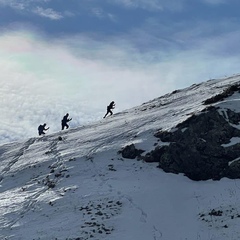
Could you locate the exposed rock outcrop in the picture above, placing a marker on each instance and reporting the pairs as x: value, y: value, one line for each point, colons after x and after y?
x: 130, y: 152
x: 198, y: 147
x: 228, y: 92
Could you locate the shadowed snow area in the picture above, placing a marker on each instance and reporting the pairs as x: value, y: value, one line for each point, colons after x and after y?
x: 74, y: 185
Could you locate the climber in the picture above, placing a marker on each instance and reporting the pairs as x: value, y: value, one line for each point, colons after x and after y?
x: 65, y: 120
x: 42, y: 128
x: 109, y: 108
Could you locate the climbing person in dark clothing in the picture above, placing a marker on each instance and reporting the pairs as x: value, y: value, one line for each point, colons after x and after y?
x: 109, y: 108
x: 65, y: 120
x: 42, y: 128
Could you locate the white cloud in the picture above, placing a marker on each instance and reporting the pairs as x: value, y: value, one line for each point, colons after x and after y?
x: 21, y: 2
x: 27, y: 5
x: 42, y: 80
x: 20, y: 5
x: 48, y: 13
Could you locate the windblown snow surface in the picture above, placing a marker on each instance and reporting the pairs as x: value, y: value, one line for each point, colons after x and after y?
x: 80, y: 187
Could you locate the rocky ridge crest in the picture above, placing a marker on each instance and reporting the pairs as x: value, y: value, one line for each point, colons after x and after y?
x: 200, y: 146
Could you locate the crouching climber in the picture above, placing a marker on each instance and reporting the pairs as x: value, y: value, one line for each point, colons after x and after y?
x: 42, y: 128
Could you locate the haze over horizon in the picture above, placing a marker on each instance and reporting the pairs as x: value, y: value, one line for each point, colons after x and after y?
x: 76, y: 57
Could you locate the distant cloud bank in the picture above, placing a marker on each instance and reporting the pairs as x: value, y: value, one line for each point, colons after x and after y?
x: 43, y: 80
x: 77, y: 56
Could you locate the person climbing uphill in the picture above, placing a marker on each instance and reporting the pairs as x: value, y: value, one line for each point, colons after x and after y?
x: 42, y: 128
x: 109, y: 108
x: 65, y: 120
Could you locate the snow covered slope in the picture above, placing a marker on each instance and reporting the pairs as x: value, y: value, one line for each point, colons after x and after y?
x: 74, y: 185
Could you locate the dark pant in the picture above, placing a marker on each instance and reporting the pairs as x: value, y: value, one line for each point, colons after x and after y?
x: 108, y: 111
x: 65, y: 125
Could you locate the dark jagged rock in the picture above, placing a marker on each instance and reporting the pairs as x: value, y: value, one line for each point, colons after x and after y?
x: 155, y: 155
x: 228, y: 92
x: 233, y: 170
x: 197, y: 147
x: 131, y: 152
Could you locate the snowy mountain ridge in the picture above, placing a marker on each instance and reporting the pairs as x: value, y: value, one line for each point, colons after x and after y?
x: 75, y: 185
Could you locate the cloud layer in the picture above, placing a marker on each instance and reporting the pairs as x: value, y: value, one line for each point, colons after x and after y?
x: 58, y: 57
x: 42, y: 80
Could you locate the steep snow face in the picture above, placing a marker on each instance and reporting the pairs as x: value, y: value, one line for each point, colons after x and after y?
x: 81, y: 188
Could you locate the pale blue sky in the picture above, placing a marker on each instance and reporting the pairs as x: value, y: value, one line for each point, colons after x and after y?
x: 76, y: 56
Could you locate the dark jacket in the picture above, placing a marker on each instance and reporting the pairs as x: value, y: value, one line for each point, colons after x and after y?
x: 66, y: 119
x: 42, y: 128
x: 111, y: 106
